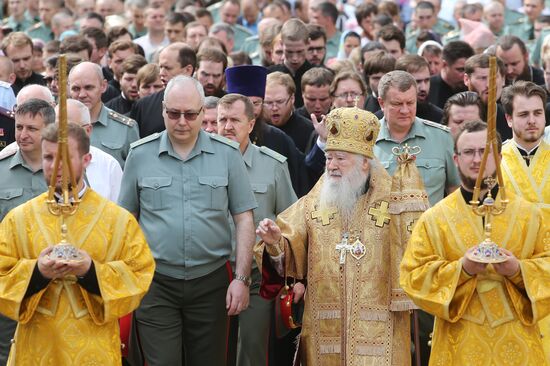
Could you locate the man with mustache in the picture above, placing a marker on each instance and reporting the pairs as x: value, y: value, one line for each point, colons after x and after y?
x: 337, y: 238
x: 513, y: 52
x: 270, y: 180
x: 469, y: 299
x: 526, y: 158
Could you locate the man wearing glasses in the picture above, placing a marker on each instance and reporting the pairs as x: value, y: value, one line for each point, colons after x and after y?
x: 183, y: 184
x: 317, y: 47
x: 279, y: 109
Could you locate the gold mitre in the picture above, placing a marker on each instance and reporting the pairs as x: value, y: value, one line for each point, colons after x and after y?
x: 353, y: 130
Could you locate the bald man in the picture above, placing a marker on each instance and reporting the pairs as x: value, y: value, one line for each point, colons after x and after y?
x: 112, y: 132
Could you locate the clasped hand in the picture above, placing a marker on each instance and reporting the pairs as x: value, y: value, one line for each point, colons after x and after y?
x: 52, y: 268
x: 508, y: 268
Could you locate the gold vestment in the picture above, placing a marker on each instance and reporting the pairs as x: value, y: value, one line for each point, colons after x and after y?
x: 347, y: 318
x: 533, y: 184
x: 487, y: 319
x: 63, y: 324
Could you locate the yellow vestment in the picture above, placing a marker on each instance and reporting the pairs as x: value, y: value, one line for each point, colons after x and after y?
x: 63, y: 324
x: 347, y: 317
x: 533, y: 184
x: 487, y: 319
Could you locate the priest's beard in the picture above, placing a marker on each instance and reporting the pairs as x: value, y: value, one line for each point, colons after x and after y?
x: 343, y: 192
x: 470, y: 183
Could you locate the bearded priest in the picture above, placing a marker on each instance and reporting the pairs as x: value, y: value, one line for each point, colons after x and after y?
x: 337, y: 240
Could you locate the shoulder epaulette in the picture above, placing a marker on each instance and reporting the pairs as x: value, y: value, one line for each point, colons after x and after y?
x: 520, y: 21
x: 7, y: 152
x: 145, y: 140
x: 6, y: 112
x: 224, y: 140
x: 35, y: 27
x: 274, y: 154
x: 436, y: 125
x: 122, y: 118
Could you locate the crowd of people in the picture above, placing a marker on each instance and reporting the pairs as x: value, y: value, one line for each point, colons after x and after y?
x: 228, y: 152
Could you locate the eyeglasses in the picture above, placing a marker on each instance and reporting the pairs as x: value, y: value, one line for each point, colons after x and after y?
x: 278, y: 103
x: 471, y: 153
x: 347, y: 95
x: 257, y: 103
x: 316, y: 49
x: 188, y: 115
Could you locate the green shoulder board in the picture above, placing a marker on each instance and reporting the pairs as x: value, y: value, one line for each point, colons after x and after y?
x: 145, y: 140
x: 224, y: 140
x: 122, y: 119
x: 274, y: 154
x: 436, y: 125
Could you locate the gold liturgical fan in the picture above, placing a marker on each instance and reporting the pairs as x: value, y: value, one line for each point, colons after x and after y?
x: 488, y: 251
x: 63, y: 205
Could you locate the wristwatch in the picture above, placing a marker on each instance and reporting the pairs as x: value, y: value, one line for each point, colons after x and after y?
x: 245, y: 279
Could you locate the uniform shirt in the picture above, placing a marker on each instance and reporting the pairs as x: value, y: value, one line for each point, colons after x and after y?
x: 41, y: 31
x: 435, y: 161
x: 18, y: 26
x: 184, y: 204
x: 251, y: 45
x: 333, y: 44
x: 18, y: 183
x: 113, y: 133
x: 241, y: 34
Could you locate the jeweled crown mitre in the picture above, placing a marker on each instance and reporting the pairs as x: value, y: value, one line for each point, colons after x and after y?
x: 353, y: 130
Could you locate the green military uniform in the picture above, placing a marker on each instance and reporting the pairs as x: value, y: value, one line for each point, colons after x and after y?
x: 241, y: 34
x: 184, y: 208
x: 135, y: 34
x: 435, y: 162
x: 40, y: 31
x: 251, y: 44
x: 333, y: 45
x: 436, y: 166
x: 442, y: 27
x: 113, y: 133
x: 18, y: 26
x: 511, y: 16
x: 524, y: 30
x: 18, y: 184
x: 270, y: 180
x: 451, y: 36
x: 214, y: 9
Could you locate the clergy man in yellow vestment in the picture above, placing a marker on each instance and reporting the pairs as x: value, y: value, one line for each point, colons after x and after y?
x: 68, y: 311
x: 337, y: 239
x: 486, y: 315
x: 526, y: 158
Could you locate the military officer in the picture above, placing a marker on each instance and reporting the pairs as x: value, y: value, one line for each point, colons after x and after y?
x: 184, y: 185
x: 43, y: 30
x: 21, y: 178
x: 524, y: 28
x: 17, y: 21
x: 112, y: 132
x: 270, y: 180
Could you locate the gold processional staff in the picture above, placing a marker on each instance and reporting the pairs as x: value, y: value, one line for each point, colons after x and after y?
x: 67, y: 200
x: 488, y: 251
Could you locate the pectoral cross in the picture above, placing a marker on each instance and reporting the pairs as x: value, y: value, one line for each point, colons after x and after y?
x: 381, y: 214
x: 325, y: 215
x: 343, y: 247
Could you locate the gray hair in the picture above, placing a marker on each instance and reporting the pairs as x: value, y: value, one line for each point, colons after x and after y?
x: 401, y: 80
x: 61, y: 16
x: 85, y: 118
x: 182, y: 80
x: 223, y: 27
x: 211, y: 102
x: 36, y: 107
x: 35, y: 91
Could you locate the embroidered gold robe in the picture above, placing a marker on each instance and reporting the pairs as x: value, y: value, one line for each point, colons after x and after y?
x: 63, y: 324
x: 533, y: 184
x: 347, y: 318
x: 487, y: 319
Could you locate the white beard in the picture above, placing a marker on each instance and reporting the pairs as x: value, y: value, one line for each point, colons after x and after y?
x: 343, y: 192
